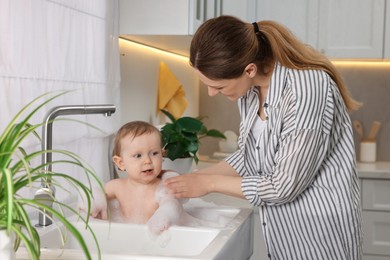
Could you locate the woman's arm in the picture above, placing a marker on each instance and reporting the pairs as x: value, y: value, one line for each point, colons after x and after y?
x: 220, y: 177
x: 220, y: 168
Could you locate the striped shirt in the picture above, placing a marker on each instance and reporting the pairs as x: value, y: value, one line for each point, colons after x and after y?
x: 301, y: 169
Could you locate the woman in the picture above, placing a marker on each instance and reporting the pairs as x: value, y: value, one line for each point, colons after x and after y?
x: 296, y: 157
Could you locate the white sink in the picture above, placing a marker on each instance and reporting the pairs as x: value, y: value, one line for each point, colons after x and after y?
x: 131, y: 241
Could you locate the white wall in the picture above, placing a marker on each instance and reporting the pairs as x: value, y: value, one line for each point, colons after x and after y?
x: 139, y: 81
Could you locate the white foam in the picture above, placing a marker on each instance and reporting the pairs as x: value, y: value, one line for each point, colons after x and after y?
x: 198, y: 213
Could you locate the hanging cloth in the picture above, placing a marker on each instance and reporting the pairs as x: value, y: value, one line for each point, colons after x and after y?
x: 171, y: 95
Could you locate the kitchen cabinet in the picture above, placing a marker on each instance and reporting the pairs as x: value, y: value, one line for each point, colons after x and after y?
x: 376, y: 217
x: 168, y: 17
x: 166, y: 25
x: 300, y: 16
x: 170, y: 24
x: 177, y: 17
x: 352, y: 29
x: 387, y: 31
x: 244, y: 9
x: 339, y: 29
x: 375, y: 194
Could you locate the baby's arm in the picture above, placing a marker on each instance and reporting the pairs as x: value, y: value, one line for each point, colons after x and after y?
x: 98, y: 203
x: 169, y: 211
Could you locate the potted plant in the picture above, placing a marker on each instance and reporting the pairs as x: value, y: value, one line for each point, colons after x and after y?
x: 181, y: 137
x: 18, y: 170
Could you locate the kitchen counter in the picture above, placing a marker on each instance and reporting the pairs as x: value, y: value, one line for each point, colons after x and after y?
x: 375, y: 170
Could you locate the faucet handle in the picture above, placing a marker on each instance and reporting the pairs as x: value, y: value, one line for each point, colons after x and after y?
x: 45, y: 196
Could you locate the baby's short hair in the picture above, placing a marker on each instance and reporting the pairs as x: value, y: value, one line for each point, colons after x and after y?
x: 133, y: 129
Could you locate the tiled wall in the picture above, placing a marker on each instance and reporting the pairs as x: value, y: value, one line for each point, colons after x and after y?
x: 368, y: 82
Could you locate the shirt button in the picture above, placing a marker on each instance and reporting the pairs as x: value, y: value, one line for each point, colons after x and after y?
x: 265, y: 104
x: 269, y: 256
x: 264, y: 224
x: 266, y: 118
x: 258, y: 147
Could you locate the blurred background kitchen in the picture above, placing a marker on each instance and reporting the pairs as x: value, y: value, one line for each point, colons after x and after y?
x: 49, y: 45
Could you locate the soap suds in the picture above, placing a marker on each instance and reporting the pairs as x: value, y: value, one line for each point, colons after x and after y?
x: 197, y: 213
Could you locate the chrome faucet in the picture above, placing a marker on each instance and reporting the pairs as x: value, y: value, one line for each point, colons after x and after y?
x: 47, y: 192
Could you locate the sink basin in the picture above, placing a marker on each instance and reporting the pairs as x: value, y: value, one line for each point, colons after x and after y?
x: 232, y: 240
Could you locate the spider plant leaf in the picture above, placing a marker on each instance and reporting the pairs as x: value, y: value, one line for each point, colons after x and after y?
x: 26, y: 223
x: 17, y: 172
x: 26, y: 107
x: 9, y: 198
x: 68, y: 225
x: 31, y: 249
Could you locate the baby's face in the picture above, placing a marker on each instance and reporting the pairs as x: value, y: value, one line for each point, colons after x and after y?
x: 142, y: 157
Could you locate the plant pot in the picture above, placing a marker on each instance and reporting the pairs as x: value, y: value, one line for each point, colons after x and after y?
x: 7, y: 245
x: 180, y: 165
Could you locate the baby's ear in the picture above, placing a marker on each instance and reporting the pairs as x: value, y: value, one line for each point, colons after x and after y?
x: 118, y: 162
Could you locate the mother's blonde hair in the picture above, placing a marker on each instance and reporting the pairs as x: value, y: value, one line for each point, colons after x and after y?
x: 222, y: 47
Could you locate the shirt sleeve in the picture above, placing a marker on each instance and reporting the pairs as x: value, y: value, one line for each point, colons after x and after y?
x: 296, y: 164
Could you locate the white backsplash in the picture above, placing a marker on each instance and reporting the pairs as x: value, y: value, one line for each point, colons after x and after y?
x: 139, y: 81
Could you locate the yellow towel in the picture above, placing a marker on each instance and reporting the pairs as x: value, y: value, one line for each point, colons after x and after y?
x: 171, y: 95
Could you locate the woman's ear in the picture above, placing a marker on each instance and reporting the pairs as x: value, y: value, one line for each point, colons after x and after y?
x: 118, y: 162
x: 251, y: 70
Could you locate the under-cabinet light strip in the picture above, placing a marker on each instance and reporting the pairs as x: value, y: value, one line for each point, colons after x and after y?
x: 153, y: 49
x: 335, y: 62
x: 360, y: 63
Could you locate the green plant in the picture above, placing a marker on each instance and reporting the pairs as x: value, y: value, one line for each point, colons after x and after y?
x: 181, y: 137
x: 17, y: 171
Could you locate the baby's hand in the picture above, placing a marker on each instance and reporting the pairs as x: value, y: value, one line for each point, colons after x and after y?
x: 98, y: 204
x: 166, y: 215
x: 158, y: 223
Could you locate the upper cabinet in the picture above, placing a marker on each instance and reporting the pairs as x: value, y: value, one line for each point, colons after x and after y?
x: 168, y: 24
x: 243, y: 9
x: 352, y: 28
x: 387, y: 31
x: 300, y: 16
x: 178, y: 17
x: 338, y: 28
x: 168, y: 17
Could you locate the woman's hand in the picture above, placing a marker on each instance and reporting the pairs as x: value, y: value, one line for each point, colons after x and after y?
x: 190, y: 185
x: 198, y: 184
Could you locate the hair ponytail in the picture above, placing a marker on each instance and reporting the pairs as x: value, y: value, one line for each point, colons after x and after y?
x: 292, y: 53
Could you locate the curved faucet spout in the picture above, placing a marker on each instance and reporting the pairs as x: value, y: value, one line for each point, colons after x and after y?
x: 47, y: 131
x: 47, y: 145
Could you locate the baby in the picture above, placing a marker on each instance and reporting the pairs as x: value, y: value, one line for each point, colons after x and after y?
x: 141, y: 196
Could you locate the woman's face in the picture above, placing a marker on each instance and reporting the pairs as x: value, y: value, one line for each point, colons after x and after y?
x: 232, y: 89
